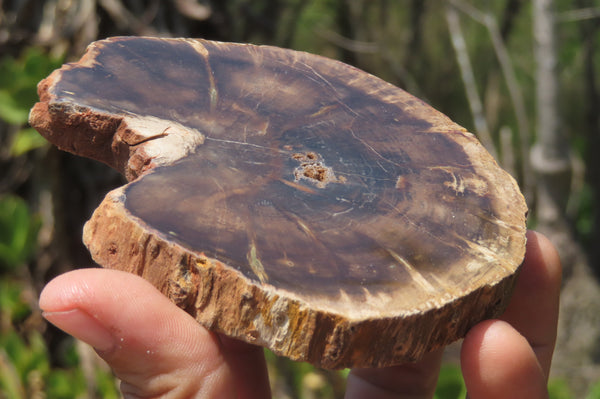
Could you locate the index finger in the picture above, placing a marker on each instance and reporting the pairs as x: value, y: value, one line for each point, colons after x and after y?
x: 533, y: 309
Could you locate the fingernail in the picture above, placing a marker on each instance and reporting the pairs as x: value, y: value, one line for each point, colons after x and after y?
x: 82, y: 326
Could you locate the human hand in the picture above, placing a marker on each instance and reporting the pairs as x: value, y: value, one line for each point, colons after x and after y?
x: 157, y: 349
x: 505, y: 358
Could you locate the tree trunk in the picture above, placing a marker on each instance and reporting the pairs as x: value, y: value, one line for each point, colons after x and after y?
x: 550, y: 155
x: 578, y: 336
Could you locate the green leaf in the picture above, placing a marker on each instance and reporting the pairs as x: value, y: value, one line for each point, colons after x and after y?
x: 16, y: 351
x: 10, y: 383
x: 35, y: 64
x: 18, y: 232
x: 107, y: 386
x: 450, y: 383
x: 38, y: 353
x: 26, y: 96
x: 13, y: 307
x: 559, y: 389
x: 11, y: 111
x: 70, y: 355
x: 66, y: 384
x: 26, y: 140
x: 8, y: 73
x: 18, y: 83
x: 594, y: 392
x: 26, y: 357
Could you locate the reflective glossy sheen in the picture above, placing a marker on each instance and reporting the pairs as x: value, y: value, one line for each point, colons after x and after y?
x: 311, y: 176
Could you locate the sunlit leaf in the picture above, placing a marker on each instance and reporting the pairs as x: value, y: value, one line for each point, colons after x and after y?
x: 11, y: 111
x: 18, y: 83
x: 559, y: 389
x: 26, y: 140
x: 10, y: 383
x: 12, y: 305
x: 594, y: 392
x: 450, y: 384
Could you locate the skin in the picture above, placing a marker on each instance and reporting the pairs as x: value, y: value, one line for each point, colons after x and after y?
x: 158, y: 350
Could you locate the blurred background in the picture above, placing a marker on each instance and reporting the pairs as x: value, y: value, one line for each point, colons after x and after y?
x: 522, y: 75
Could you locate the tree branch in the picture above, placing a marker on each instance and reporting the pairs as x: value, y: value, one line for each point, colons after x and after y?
x: 464, y: 63
x: 512, y: 85
x: 579, y: 14
x: 550, y: 155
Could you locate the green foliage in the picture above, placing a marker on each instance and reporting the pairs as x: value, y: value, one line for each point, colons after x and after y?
x: 584, y: 222
x: 25, y: 369
x: 18, y: 83
x: 18, y: 233
x: 105, y: 383
x: 26, y: 140
x: 594, y: 392
x: 302, y: 380
x: 559, y: 389
x: 14, y: 309
x: 27, y: 359
x: 18, y: 93
x: 450, y: 384
x: 317, y: 15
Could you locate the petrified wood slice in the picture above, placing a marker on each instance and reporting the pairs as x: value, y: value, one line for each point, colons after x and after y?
x: 289, y: 200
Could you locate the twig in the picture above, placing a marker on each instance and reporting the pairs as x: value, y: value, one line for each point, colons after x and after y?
x: 348, y: 44
x: 464, y: 63
x: 508, y: 159
x: 579, y: 15
x: 512, y: 85
x: 192, y: 9
x: 123, y: 18
x: 550, y: 155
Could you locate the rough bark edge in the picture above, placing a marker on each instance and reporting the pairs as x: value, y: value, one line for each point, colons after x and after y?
x: 223, y: 300
x: 131, y: 144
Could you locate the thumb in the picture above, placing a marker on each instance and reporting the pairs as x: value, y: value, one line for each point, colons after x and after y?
x: 498, y: 362
x: 155, y: 348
